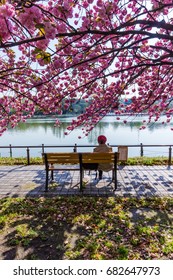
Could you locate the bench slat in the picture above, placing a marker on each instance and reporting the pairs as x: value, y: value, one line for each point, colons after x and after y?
x: 62, y: 158
x: 63, y: 161
x: 97, y: 157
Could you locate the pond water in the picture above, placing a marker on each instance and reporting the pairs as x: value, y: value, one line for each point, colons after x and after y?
x: 42, y: 131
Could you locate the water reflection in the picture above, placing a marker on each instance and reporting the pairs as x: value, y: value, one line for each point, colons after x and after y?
x: 43, y: 131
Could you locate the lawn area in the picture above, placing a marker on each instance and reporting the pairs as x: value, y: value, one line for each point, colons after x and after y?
x: 149, y: 161
x: 86, y: 228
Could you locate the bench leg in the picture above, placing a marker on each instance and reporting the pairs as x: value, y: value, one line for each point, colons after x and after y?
x: 52, y: 177
x: 47, y: 181
x: 115, y: 177
x: 81, y: 179
x: 115, y: 170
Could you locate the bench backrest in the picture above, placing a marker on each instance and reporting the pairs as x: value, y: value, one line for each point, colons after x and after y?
x: 98, y: 157
x: 75, y: 158
x: 61, y: 158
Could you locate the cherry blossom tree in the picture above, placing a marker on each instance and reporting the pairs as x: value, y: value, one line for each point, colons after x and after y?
x: 98, y: 50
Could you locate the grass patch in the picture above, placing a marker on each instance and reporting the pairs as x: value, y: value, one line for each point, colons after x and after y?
x: 86, y: 228
x: 20, y: 161
x: 147, y: 161
x: 131, y: 161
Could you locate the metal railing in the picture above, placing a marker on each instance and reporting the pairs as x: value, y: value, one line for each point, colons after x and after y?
x: 75, y: 148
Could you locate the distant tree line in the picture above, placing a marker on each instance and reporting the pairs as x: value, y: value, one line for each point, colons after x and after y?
x: 73, y: 106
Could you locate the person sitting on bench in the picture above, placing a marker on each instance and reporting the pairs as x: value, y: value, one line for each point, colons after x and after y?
x: 103, y: 148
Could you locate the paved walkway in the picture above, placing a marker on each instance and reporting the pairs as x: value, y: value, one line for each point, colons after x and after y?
x: 141, y: 181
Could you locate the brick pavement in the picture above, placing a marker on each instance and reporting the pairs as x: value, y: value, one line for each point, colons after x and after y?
x: 137, y: 181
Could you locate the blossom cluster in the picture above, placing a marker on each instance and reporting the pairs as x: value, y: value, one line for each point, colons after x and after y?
x: 7, y: 11
x: 99, y: 50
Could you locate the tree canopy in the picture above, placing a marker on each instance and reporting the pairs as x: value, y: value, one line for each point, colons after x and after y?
x: 97, y: 50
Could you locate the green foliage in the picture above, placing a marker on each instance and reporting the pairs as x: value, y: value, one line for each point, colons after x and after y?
x: 168, y: 248
x: 19, y: 161
x: 40, y: 54
x: 123, y: 253
x: 147, y: 161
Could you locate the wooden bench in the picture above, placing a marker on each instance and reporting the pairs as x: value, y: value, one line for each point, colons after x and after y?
x: 78, y: 161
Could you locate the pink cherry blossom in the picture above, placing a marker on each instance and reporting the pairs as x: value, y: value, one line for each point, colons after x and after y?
x: 115, y: 55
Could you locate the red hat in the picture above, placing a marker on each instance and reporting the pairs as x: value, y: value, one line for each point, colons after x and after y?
x: 102, y: 139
